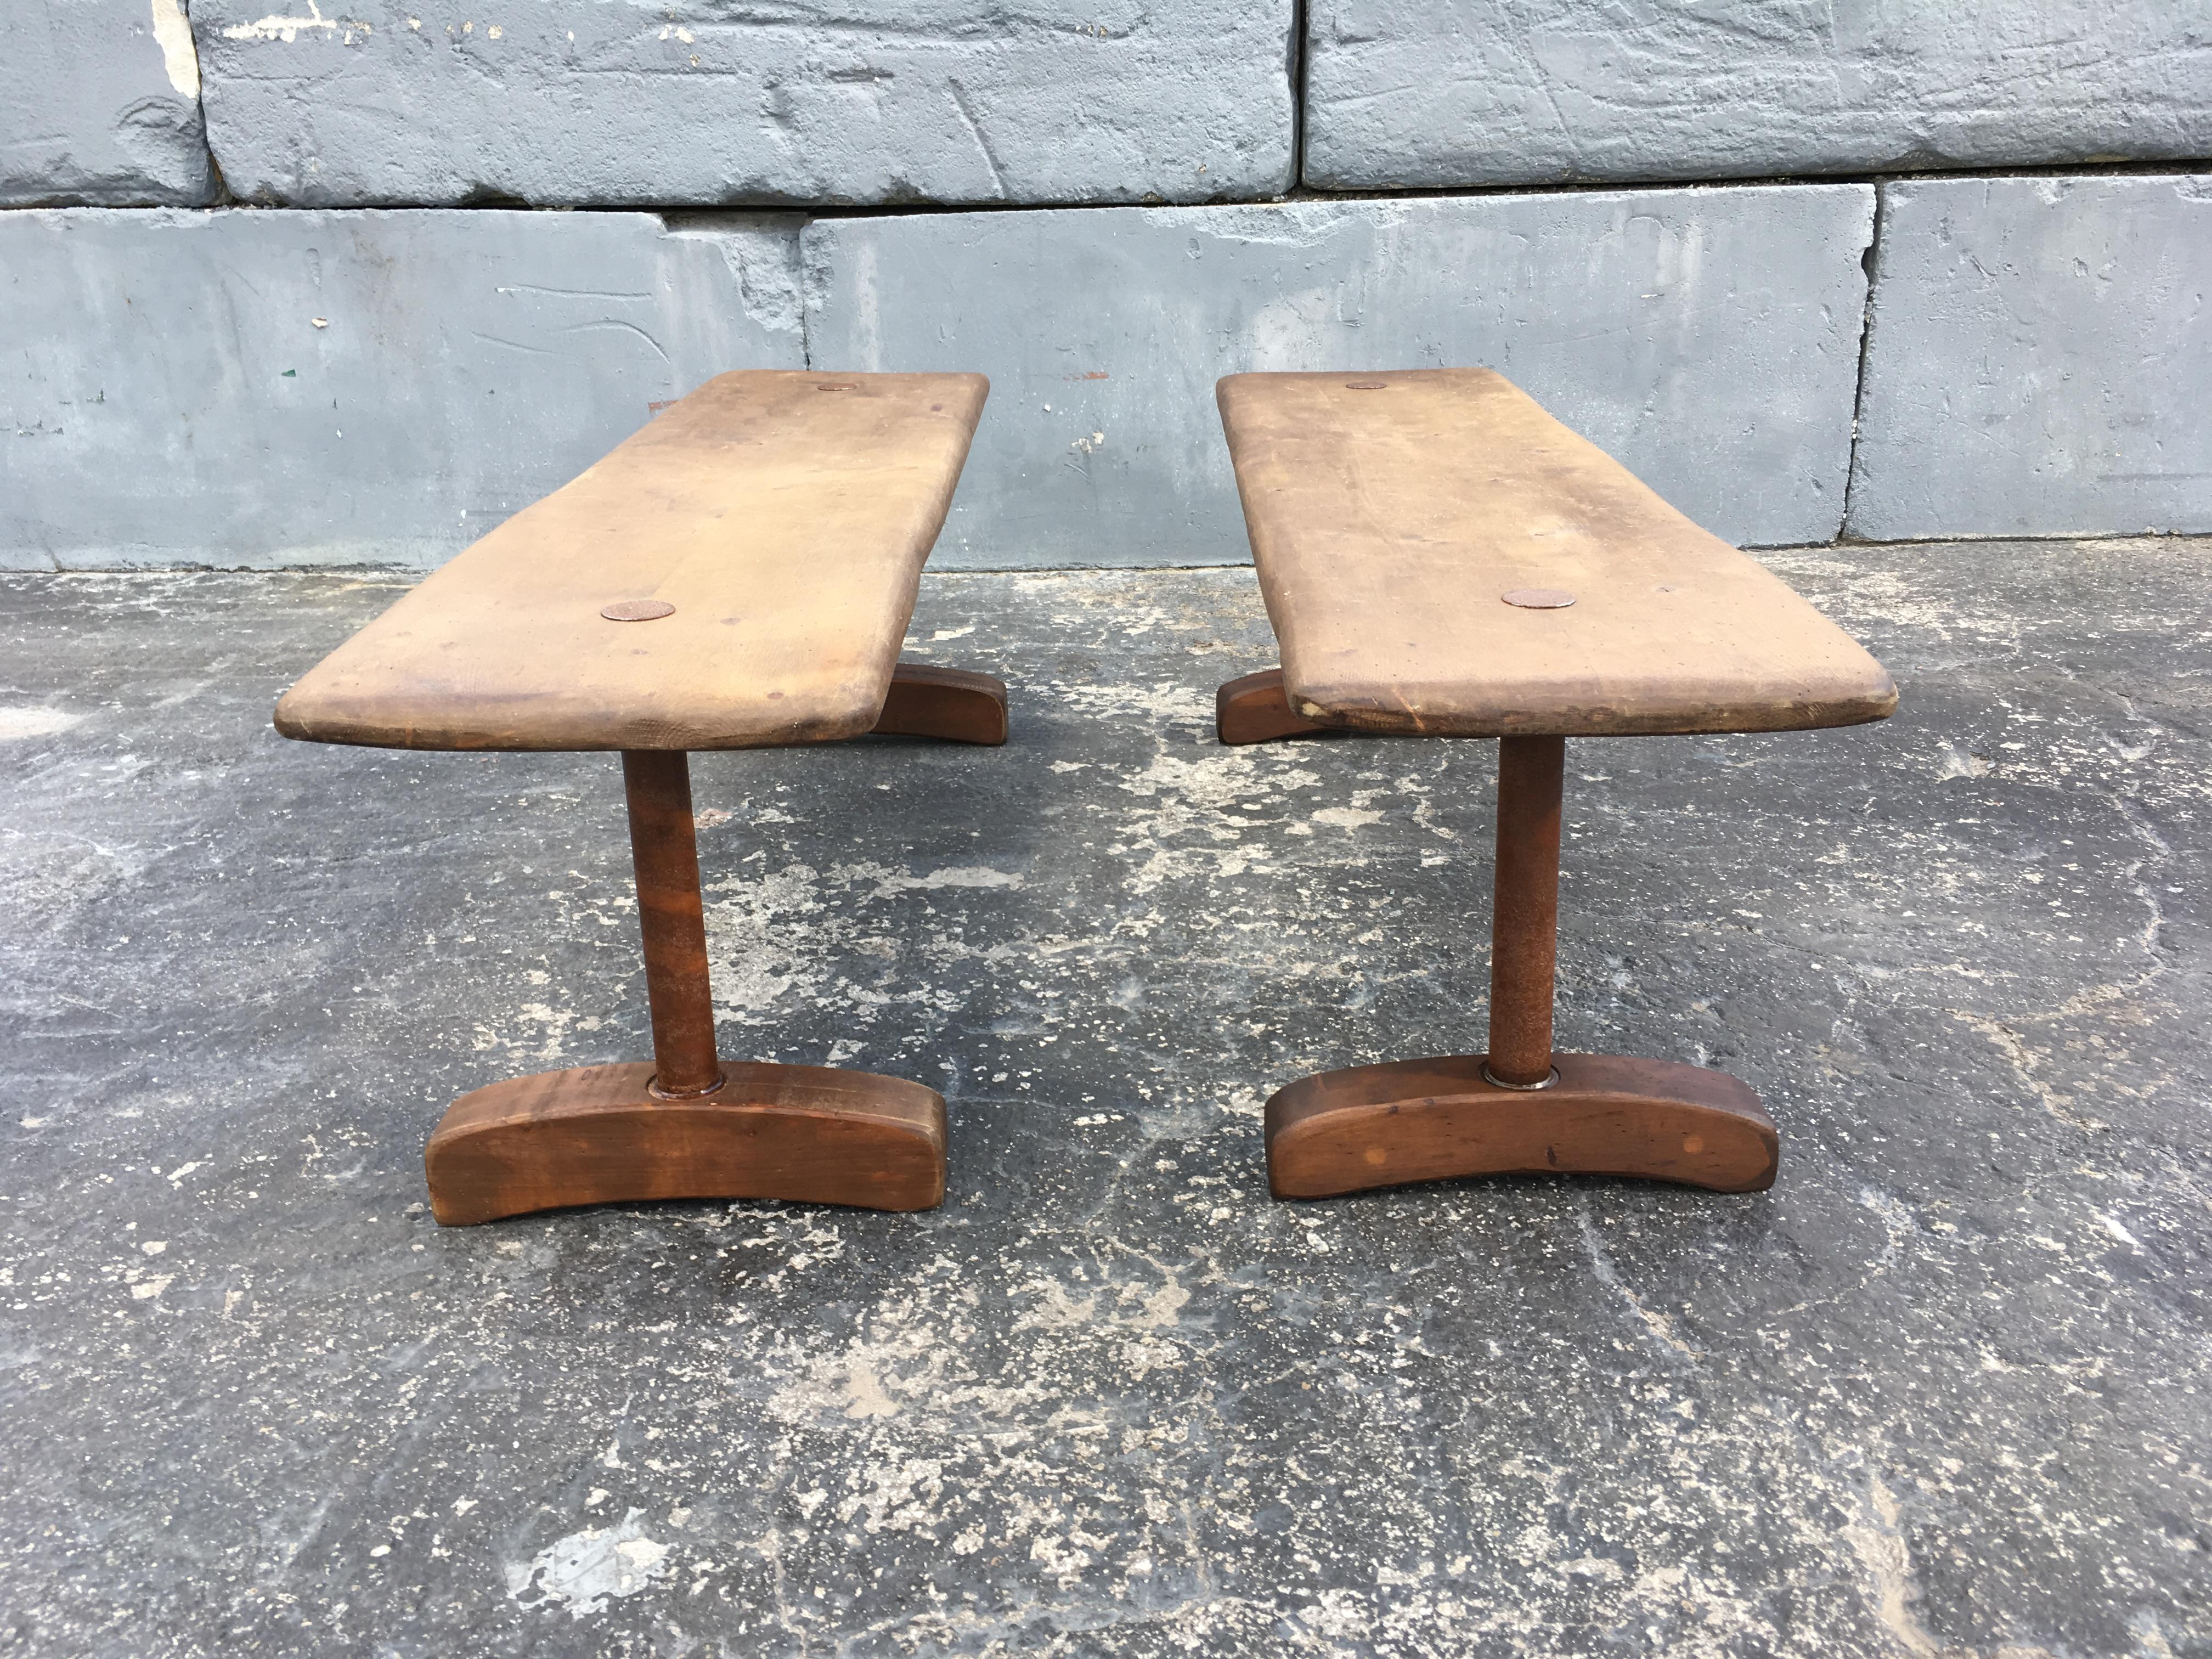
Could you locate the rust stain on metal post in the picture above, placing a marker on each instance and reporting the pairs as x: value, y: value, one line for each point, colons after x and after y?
x: 665, y: 850
x: 1525, y: 918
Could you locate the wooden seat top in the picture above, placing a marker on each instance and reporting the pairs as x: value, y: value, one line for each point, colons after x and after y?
x: 1391, y: 514
x: 785, y: 516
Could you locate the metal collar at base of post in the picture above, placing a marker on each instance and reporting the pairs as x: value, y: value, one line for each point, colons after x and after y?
x: 1497, y: 1082
x: 652, y: 1087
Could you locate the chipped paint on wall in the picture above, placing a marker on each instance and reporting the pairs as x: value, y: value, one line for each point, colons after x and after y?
x: 277, y: 26
x: 179, y: 60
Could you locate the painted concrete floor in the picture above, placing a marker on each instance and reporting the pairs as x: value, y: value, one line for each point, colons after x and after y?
x: 1942, y: 1390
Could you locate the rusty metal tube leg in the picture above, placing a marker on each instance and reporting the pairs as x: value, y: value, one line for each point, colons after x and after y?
x: 1525, y: 918
x: 665, y: 849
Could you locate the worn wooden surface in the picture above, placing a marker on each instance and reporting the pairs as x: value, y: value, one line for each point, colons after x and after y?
x: 1388, y: 524
x: 664, y: 850
x: 810, y: 1134
x: 1254, y: 709
x: 1429, y: 1120
x: 785, y: 516
x: 955, y: 704
x: 1524, y: 909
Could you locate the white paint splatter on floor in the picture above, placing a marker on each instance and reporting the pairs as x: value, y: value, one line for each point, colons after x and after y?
x: 582, y: 1570
x: 19, y: 723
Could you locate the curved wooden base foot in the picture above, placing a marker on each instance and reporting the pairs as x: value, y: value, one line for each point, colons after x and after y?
x: 1429, y: 1120
x: 953, y: 703
x: 1254, y: 709
x: 594, y: 1135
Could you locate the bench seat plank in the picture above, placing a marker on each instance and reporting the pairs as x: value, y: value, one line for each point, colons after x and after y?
x: 1390, y: 513
x: 785, y: 515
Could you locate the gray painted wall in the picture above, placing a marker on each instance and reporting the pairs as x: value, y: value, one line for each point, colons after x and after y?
x: 617, y: 102
x: 100, y: 104
x: 1477, y: 92
x: 1709, y: 339
x: 2041, y: 359
x: 241, y: 387
x: 2039, y: 351
x: 2032, y: 369
x: 694, y: 102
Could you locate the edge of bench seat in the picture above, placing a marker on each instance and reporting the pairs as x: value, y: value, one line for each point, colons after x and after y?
x: 1390, y: 513
x: 1624, y: 709
x: 785, y: 515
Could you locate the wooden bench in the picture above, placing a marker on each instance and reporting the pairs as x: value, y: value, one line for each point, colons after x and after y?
x: 1441, y: 558
x: 739, y: 574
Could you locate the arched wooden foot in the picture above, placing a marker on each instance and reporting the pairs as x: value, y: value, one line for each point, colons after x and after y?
x: 596, y: 1135
x: 1254, y: 709
x: 1429, y: 1120
x: 952, y: 703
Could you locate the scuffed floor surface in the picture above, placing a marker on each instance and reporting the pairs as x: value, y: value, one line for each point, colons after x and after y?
x: 1941, y: 1391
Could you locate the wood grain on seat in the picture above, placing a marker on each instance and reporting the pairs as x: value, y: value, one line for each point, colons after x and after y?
x: 784, y: 516
x: 1390, y: 513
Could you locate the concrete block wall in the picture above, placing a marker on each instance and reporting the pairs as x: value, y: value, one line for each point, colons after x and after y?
x: 1458, y: 93
x: 246, y: 388
x: 99, y: 102
x: 2069, y: 321
x: 590, y: 102
x: 291, y: 285
x: 1709, y: 339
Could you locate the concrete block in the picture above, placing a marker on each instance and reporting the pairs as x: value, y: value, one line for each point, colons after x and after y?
x: 100, y: 104
x: 1473, y: 92
x: 2040, y: 358
x: 694, y: 102
x: 246, y: 388
x: 1709, y: 339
